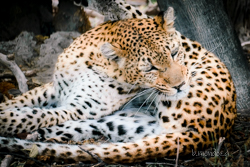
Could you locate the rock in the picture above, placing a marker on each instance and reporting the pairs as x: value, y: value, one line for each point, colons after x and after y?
x: 49, y: 52
x: 37, y: 58
x: 14, y: 92
x: 24, y: 50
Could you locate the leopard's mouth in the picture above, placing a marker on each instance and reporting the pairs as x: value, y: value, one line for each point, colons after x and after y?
x: 177, y: 95
x: 170, y: 91
x: 162, y: 89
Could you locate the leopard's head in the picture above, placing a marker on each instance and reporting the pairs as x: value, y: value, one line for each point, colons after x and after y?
x: 150, y: 54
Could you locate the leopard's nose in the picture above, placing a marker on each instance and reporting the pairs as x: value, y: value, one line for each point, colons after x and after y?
x: 178, y: 88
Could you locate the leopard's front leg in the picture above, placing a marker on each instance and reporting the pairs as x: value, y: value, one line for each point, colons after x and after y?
x: 28, y: 119
x: 123, y: 126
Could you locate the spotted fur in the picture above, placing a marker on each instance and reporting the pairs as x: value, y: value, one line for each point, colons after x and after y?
x: 192, y: 91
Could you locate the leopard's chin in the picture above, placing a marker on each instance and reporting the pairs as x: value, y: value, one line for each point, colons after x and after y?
x: 177, y: 96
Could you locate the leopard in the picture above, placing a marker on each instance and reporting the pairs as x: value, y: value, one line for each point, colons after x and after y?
x: 189, y: 88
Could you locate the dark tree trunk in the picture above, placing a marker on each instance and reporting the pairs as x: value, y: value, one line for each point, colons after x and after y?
x: 207, y: 22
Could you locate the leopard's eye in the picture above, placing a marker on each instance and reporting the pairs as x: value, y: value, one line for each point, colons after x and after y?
x: 175, y: 51
x: 173, y: 54
x: 151, y: 69
x: 163, y: 70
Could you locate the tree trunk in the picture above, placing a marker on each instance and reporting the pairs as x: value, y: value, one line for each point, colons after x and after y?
x: 207, y: 22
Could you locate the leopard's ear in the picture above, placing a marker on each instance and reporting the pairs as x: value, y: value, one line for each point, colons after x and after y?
x: 166, y: 20
x: 112, y: 53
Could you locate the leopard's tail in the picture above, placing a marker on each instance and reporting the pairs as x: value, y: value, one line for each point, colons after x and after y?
x: 146, y: 148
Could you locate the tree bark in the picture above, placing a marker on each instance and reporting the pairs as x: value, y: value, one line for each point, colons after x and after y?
x: 207, y: 22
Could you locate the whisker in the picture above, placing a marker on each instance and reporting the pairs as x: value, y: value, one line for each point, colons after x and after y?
x: 154, y: 91
x: 216, y: 47
x: 207, y: 52
x: 191, y: 74
x: 196, y: 64
x: 145, y: 101
x: 138, y: 95
x: 202, y: 58
x: 156, y: 94
x: 157, y: 105
x: 132, y: 87
x: 106, y: 141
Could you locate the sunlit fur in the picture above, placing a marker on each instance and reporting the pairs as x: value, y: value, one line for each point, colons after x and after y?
x: 190, y: 97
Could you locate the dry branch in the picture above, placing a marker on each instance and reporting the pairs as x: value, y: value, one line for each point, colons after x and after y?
x: 99, y: 160
x: 20, y: 77
x: 7, y: 161
x: 221, y: 140
x: 245, y: 43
